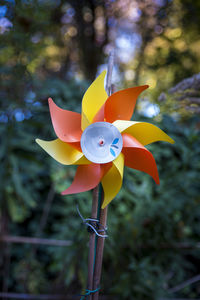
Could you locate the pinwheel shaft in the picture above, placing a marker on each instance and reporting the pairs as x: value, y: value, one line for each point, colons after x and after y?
x: 103, y: 212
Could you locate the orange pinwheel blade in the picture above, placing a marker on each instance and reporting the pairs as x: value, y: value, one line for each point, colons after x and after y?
x: 138, y: 157
x: 67, y: 124
x: 87, y: 177
x: 120, y: 105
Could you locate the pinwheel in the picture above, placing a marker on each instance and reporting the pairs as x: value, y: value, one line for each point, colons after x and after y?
x: 102, y: 139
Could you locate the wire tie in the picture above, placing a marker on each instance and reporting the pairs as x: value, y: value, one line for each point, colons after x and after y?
x: 93, y: 228
x: 89, y: 292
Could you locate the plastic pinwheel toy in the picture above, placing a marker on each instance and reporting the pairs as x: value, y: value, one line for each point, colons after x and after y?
x: 102, y: 139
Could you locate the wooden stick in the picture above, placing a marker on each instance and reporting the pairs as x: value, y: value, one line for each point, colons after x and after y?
x: 65, y: 243
x: 29, y: 240
x: 103, y: 212
x: 91, y: 253
x: 37, y: 297
x: 184, y: 284
x: 99, y: 255
x: 19, y: 296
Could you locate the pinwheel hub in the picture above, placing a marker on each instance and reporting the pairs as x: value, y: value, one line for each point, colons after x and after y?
x: 101, y: 142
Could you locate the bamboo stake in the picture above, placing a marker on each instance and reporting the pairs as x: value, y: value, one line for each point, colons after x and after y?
x: 99, y: 255
x: 91, y: 253
x: 103, y: 212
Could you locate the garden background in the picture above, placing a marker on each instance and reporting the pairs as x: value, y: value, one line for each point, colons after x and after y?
x: 56, y: 48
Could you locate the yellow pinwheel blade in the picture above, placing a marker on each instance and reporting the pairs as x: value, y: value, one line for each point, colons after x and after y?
x: 93, y: 99
x: 63, y: 152
x: 145, y: 133
x: 112, y: 181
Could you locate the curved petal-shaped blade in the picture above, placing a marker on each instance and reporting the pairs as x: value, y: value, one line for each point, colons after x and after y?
x: 136, y: 156
x: 112, y: 181
x: 93, y: 99
x: 62, y: 152
x: 87, y: 177
x: 67, y: 124
x: 145, y: 133
x: 120, y: 105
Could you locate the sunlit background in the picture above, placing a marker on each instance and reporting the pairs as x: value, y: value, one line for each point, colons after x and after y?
x: 56, y: 49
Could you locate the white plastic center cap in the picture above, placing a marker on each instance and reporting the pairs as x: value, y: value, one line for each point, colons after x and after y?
x: 101, y: 142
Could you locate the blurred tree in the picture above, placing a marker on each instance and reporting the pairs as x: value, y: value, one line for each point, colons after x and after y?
x: 167, y: 50
x: 91, y: 27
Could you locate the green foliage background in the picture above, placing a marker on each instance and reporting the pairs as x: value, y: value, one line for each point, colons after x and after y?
x: 154, y: 231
